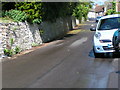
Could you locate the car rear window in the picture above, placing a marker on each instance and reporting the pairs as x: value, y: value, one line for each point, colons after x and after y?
x: 109, y: 23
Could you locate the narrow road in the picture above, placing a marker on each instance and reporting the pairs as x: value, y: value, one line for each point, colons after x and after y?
x: 66, y: 63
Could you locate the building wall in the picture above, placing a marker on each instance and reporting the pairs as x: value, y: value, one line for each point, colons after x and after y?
x: 91, y: 15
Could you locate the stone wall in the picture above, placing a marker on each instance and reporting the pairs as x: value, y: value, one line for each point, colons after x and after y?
x: 25, y: 35
x: 2, y: 39
x: 55, y: 30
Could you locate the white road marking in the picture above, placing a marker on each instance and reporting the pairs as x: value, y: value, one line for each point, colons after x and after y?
x: 79, y: 42
x: 59, y: 44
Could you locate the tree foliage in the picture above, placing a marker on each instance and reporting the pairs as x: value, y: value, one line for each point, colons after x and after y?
x: 82, y: 10
x: 53, y: 10
x: 112, y: 10
x: 32, y: 9
x: 8, y: 5
x: 37, y: 12
x: 16, y: 15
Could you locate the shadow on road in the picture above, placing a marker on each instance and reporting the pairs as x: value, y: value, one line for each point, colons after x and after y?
x: 66, y: 36
x: 106, y: 55
x: 69, y: 35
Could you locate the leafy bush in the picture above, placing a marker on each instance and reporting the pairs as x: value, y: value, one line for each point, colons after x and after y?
x: 36, y: 12
x: 16, y: 15
x: 52, y: 11
x: 77, y: 12
x: 37, y: 21
x: 46, y: 11
x: 8, y: 52
x: 81, y: 10
x: 2, y: 13
x: 11, y: 41
x: 110, y: 11
x: 32, y: 9
x: 117, y: 12
x: 17, y: 50
x: 34, y: 44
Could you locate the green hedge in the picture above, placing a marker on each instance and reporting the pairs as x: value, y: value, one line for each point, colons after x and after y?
x: 117, y: 12
x: 32, y: 9
x: 36, y: 12
x: 111, y: 11
x: 16, y: 15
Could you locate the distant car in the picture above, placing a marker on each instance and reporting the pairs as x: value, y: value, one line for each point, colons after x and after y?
x: 116, y: 40
x: 97, y: 18
x: 106, y: 27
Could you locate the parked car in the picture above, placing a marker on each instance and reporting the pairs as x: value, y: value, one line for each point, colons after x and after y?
x: 97, y: 18
x: 106, y: 27
x: 116, y: 40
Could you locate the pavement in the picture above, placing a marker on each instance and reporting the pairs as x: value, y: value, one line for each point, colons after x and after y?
x: 64, y: 63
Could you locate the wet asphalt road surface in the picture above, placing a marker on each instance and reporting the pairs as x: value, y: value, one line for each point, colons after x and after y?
x: 66, y: 63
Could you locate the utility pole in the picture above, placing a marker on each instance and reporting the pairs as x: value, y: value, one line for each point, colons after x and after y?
x: 117, y: 3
